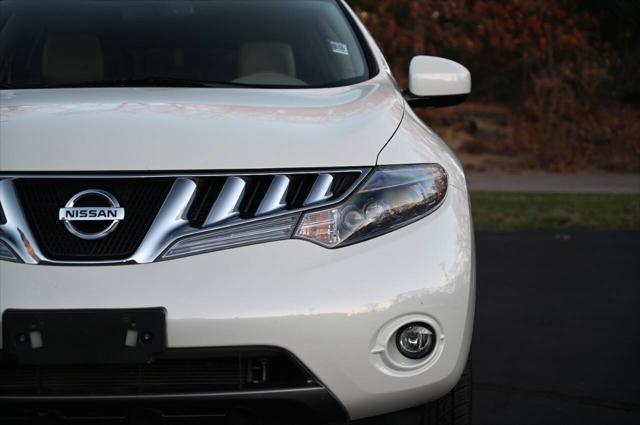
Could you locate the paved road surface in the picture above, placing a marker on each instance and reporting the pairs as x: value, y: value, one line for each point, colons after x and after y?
x: 556, y: 183
x: 557, y: 337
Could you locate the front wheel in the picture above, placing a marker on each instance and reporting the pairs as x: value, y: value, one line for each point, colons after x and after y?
x: 455, y: 407
x: 452, y: 409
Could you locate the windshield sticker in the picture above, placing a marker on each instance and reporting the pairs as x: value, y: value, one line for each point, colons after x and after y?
x: 339, y: 48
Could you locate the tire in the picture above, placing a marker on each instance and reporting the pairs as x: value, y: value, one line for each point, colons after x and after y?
x: 452, y: 409
x: 455, y: 407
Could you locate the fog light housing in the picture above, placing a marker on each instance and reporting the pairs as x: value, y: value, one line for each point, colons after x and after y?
x: 416, y: 340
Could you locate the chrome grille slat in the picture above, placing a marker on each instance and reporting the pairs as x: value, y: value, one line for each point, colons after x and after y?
x: 171, y: 217
x: 15, y: 231
x: 228, y: 203
x: 321, y: 190
x: 258, y: 206
x: 276, y: 197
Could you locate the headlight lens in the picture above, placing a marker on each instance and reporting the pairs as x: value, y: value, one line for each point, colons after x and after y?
x: 392, y: 197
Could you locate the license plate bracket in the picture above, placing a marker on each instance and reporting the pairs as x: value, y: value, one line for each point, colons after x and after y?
x: 83, y: 336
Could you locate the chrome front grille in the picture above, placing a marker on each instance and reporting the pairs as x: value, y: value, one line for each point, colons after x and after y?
x: 205, y: 212
x: 225, y: 199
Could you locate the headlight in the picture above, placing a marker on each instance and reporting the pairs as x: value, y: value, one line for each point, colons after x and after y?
x: 392, y: 197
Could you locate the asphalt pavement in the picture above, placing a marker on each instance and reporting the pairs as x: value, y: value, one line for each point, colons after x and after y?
x: 557, y: 336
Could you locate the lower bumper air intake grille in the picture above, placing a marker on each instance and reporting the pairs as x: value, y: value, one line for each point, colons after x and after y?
x: 175, y: 372
x: 234, y: 386
x: 313, y: 407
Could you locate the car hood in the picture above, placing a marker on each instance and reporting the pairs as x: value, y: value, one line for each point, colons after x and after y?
x: 147, y: 129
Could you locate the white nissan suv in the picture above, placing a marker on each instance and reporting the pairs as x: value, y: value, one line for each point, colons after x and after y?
x: 226, y: 211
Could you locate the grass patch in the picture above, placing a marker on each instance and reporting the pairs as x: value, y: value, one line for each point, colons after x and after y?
x: 533, y: 211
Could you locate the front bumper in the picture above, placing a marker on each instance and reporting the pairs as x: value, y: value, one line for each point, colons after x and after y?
x: 330, y: 308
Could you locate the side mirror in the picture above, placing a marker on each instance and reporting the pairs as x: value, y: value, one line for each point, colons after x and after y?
x: 436, y: 82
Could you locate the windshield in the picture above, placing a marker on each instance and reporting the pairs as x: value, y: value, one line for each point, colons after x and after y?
x: 253, y: 43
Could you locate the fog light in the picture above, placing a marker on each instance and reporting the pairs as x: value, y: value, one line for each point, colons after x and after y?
x: 416, y: 340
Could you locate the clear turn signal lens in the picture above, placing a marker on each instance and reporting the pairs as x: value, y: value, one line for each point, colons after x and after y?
x: 260, y: 232
x: 391, y: 198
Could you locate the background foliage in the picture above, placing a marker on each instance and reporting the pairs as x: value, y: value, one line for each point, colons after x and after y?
x: 555, y: 81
